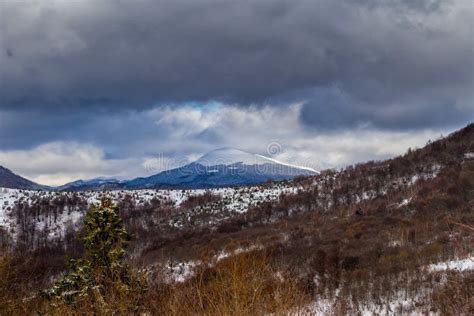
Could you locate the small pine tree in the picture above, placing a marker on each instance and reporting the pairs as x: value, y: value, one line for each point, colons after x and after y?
x: 104, y: 240
x: 102, y: 270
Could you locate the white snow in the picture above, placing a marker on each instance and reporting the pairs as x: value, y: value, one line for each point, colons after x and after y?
x: 179, y: 271
x: 402, y: 302
x: 232, y: 156
x: 458, y: 264
x: 232, y: 200
x: 271, y: 160
x: 227, y: 156
x: 404, y: 202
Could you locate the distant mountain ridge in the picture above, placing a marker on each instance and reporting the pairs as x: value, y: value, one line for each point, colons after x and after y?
x: 91, y: 184
x: 8, y: 179
x: 218, y: 168
x: 223, y: 167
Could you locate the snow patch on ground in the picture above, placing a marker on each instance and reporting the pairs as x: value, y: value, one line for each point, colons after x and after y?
x: 180, y: 271
x: 458, y: 264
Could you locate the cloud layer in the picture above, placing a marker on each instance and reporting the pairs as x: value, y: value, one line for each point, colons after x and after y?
x: 144, y: 143
x: 126, y: 81
x: 378, y: 54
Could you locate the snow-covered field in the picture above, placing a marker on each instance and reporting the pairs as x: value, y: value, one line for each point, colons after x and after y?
x: 233, y: 200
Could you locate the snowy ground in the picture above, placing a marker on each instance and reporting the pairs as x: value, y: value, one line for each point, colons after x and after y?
x: 401, y: 303
x: 458, y: 265
x: 232, y: 200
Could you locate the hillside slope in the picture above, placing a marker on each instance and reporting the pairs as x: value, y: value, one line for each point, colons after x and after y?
x: 381, y: 237
x: 10, y: 180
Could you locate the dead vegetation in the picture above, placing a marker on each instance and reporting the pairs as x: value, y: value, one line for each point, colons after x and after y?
x: 360, y: 237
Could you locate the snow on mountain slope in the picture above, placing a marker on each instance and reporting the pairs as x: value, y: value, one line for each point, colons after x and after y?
x: 230, y: 156
x: 220, y: 168
x: 274, y: 161
x: 227, y: 156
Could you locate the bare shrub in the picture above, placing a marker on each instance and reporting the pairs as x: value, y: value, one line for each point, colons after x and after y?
x: 244, y: 284
x: 201, y: 199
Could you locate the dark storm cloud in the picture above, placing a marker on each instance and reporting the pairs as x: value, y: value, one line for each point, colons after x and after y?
x: 32, y: 127
x: 425, y: 5
x: 331, y: 109
x: 393, y: 61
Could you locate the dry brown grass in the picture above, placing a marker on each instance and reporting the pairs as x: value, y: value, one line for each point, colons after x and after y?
x: 456, y: 295
x: 7, y: 278
x: 245, y: 284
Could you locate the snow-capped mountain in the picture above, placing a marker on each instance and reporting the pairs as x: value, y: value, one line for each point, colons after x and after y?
x: 223, y: 167
x: 218, y: 168
x: 231, y: 156
x: 10, y: 180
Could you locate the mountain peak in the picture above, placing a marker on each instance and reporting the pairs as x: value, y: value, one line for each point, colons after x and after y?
x: 227, y: 156
x: 231, y: 156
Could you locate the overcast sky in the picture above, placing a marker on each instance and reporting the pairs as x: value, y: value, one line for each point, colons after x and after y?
x: 128, y: 88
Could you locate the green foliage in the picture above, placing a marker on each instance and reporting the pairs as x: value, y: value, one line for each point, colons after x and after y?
x: 76, y: 283
x: 104, y: 238
x: 102, y: 270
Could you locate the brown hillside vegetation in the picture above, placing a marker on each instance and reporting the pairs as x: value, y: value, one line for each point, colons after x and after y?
x: 356, y: 239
